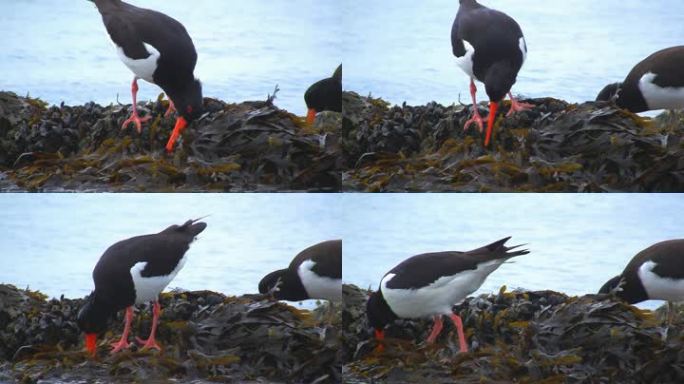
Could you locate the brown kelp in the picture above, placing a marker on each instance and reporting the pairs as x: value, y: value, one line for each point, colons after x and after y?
x: 557, y: 146
x: 204, y: 336
x: 519, y: 336
x: 251, y: 146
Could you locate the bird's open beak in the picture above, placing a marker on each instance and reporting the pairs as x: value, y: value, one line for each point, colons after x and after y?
x: 311, y: 116
x: 493, y: 106
x: 91, y: 342
x: 181, y: 123
x: 380, y: 337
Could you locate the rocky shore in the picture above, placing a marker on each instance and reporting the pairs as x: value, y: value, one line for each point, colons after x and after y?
x: 251, y: 146
x: 519, y: 337
x: 205, y: 336
x: 556, y: 147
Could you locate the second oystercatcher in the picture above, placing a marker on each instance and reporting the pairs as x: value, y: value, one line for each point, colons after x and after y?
x: 657, y: 82
x: 315, y: 273
x: 135, y: 271
x: 430, y: 284
x: 489, y: 46
x: 157, y: 49
x: 324, y: 95
x: 656, y: 273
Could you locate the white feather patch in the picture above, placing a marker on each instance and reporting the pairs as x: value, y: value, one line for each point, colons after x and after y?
x: 318, y: 287
x: 465, y: 62
x: 523, y: 48
x: 660, y: 288
x: 438, y: 297
x: 658, y: 97
x: 149, y: 288
x: 142, y: 68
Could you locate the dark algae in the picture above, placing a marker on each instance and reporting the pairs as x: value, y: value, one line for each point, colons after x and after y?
x: 555, y: 147
x: 251, y: 146
x: 205, y: 337
x: 519, y: 337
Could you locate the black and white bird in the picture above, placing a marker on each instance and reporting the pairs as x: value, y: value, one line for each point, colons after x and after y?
x: 135, y: 271
x: 490, y: 47
x: 157, y: 49
x: 430, y: 284
x: 656, y: 273
x: 324, y: 95
x: 315, y: 273
x: 657, y: 82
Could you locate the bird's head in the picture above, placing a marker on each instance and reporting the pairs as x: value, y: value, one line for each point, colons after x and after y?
x: 272, y: 283
x: 190, y: 106
x: 283, y: 285
x: 379, y: 314
x: 92, y: 319
x: 610, y: 92
x: 324, y: 95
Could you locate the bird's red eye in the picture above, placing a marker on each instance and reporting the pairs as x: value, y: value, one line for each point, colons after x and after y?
x: 189, y: 109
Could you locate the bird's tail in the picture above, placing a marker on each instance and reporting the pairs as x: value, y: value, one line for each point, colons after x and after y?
x: 498, y: 250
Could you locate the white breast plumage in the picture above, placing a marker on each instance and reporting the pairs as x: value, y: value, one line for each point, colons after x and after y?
x: 142, y: 68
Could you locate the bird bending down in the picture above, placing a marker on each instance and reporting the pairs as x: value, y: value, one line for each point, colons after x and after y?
x: 657, y: 82
x: 489, y: 46
x: 157, y: 49
x: 135, y: 271
x: 656, y: 273
x: 430, y: 284
x: 324, y: 95
x: 315, y: 273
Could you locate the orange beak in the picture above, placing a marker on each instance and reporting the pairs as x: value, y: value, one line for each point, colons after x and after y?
x: 311, y: 116
x: 380, y: 337
x: 493, y: 106
x: 91, y: 342
x: 181, y: 123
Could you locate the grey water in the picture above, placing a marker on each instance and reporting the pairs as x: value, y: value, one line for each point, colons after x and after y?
x: 576, y: 242
x: 58, y: 50
x: 51, y: 242
x: 400, y: 50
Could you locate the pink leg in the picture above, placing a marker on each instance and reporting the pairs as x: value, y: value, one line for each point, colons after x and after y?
x: 517, y: 106
x: 459, y: 327
x: 151, y: 342
x: 436, y: 329
x: 477, y: 119
x: 123, y: 343
x: 171, y: 109
x: 134, y: 117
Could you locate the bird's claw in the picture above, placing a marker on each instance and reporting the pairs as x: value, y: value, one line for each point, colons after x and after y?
x: 137, y: 120
x: 148, y: 344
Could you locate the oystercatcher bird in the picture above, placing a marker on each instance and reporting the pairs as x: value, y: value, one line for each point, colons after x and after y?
x: 157, y: 49
x: 324, y: 95
x: 489, y: 46
x: 315, y: 273
x: 135, y: 271
x: 657, y: 82
x: 430, y: 284
x: 656, y: 273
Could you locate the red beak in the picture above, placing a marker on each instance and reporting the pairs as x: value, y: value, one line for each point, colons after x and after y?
x: 493, y: 106
x: 380, y: 337
x: 311, y: 116
x: 181, y: 123
x: 91, y: 342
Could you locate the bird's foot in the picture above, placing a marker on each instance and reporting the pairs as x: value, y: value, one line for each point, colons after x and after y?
x: 477, y: 119
x: 150, y: 343
x: 119, y: 345
x: 517, y: 106
x: 170, y: 110
x: 135, y: 119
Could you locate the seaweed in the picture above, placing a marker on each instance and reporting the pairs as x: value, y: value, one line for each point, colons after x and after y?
x: 204, y: 336
x: 251, y: 146
x: 557, y: 146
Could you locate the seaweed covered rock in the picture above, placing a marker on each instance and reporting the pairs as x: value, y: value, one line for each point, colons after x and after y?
x: 204, y: 336
x: 554, y: 147
x: 252, y: 146
x: 521, y: 337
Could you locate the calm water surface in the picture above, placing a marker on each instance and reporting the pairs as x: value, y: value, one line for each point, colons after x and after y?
x: 401, y: 49
x: 51, y: 242
x: 58, y: 49
x: 576, y: 242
